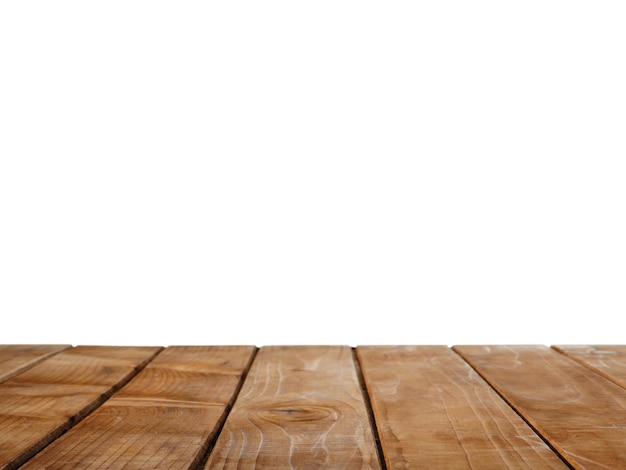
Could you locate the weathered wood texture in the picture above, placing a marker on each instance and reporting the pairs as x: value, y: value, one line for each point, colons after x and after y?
x: 300, y: 408
x: 16, y: 358
x: 434, y: 411
x: 41, y: 403
x: 580, y: 413
x: 607, y: 360
x: 164, y: 418
x: 312, y: 407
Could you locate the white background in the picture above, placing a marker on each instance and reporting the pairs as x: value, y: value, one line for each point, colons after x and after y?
x: 319, y: 172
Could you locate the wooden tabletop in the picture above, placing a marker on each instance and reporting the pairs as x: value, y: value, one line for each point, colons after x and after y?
x: 308, y: 407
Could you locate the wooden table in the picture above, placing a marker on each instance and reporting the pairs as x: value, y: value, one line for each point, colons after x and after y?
x: 301, y: 407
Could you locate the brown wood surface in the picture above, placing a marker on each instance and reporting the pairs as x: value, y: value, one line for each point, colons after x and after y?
x: 300, y: 407
x: 16, y: 358
x: 434, y: 411
x: 164, y: 418
x: 41, y: 403
x: 607, y: 360
x: 308, y: 407
x: 580, y: 413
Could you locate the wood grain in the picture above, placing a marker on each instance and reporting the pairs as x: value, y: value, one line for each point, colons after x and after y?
x: 580, y: 413
x: 16, y: 358
x: 434, y: 411
x: 301, y: 407
x: 607, y: 360
x: 40, y: 404
x: 164, y: 418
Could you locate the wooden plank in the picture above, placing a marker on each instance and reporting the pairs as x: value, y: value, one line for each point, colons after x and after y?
x: 580, y: 413
x: 40, y: 404
x: 164, y: 418
x: 300, y: 407
x: 607, y: 360
x: 16, y: 358
x: 434, y: 411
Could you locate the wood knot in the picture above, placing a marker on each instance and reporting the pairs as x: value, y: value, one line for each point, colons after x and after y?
x: 297, y: 413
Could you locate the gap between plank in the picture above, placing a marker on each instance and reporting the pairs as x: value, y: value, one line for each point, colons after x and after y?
x: 370, y: 410
x: 517, y: 412
x: 35, y: 363
x: 204, y: 453
x: 580, y: 361
x: 82, y: 414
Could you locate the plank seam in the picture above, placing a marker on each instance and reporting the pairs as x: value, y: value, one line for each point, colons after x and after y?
x: 33, y: 364
x: 206, y: 449
x: 517, y: 412
x: 580, y: 361
x: 78, y: 417
x: 370, y: 410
